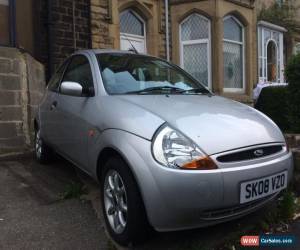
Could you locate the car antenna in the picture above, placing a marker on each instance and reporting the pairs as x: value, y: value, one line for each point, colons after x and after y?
x: 132, y: 47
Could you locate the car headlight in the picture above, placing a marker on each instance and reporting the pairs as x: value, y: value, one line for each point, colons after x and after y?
x: 172, y: 149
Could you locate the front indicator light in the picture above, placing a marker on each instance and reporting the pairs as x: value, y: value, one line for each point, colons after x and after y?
x: 204, y: 163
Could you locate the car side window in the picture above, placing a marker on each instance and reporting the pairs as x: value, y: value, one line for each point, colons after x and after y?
x: 54, y: 82
x: 79, y: 70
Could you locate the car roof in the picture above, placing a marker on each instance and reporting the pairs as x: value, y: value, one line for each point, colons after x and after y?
x: 105, y: 51
x: 112, y: 51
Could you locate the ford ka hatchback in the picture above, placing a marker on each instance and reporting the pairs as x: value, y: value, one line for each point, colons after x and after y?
x: 168, y: 154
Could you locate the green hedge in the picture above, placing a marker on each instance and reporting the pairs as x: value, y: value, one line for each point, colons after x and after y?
x: 293, y: 78
x: 273, y: 101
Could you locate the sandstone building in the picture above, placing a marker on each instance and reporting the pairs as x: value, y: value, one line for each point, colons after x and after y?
x: 220, y: 42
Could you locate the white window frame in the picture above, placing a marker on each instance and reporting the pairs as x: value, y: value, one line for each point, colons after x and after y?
x: 133, y: 37
x: 198, y: 41
x: 243, y: 89
x: 264, y: 27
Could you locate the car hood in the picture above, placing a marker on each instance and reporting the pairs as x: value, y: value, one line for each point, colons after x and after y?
x: 215, y: 123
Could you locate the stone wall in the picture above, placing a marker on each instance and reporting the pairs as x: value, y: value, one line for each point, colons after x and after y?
x: 69, y: 34
x: 21, y: 88
x: 64, y: 42
x: 100, y: 21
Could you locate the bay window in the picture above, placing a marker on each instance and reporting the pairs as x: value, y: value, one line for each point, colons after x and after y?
x: 233, y: 55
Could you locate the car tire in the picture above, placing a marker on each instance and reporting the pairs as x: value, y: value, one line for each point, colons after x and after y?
x: 43, y: 153
x: 122, y: 205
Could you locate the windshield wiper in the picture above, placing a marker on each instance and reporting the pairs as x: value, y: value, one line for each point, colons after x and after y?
x: 154, y: 89
x: 176, y: 90
x: 202, y: 91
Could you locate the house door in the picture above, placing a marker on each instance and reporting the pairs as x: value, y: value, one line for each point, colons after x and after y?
x: 132, y: 28
x: 272, y: 68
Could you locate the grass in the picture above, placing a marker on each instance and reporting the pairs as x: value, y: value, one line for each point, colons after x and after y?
x: 73, y: 190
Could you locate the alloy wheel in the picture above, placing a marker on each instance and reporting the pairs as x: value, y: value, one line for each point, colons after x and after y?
x: 115, y: 201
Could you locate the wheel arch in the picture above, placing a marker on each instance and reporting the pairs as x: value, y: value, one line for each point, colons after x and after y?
x: 103, y: 156
x: 107, y: 153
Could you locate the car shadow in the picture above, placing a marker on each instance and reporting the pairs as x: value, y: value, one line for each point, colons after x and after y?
x: 59, y: 173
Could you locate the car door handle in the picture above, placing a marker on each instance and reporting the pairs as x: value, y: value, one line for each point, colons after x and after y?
x: 53, y: 105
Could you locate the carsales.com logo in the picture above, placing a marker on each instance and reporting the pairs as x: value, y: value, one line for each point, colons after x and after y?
x: 268, y: 240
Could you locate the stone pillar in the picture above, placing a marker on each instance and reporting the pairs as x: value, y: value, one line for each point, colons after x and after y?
x: 21, y: 87
x: 100, y: 21
x: 218, y: 75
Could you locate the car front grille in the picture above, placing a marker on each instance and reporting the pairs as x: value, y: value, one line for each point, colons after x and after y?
x: 250, y: 154
x: 228, y: 212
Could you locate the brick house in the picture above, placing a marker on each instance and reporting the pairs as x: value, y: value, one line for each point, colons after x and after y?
x: 220, y: 42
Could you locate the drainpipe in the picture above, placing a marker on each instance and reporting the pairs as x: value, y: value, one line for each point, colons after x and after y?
x: 12, y: 23
x: 50, y: 39
x: 74, y: 27
x: 167, y: 29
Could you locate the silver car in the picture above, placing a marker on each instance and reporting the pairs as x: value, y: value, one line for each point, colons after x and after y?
x: 168, y: 154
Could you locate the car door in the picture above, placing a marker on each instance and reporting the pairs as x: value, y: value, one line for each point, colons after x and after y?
x: 49, y: 117
x: 74, y: 111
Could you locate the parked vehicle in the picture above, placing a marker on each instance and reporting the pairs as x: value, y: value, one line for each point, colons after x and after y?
x: 168, y: 154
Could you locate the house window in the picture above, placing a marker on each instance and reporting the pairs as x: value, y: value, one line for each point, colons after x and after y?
x: 133, y: 31
x: 233, y: 53
x: 270, y: 54
x: 4, y: 22
x: 195, y: 45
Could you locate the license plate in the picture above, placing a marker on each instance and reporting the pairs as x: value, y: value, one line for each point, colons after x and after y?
x: 259, y: 188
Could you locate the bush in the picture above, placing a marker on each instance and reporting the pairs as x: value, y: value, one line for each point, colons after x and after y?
x: 272, y: 101
x: 287, y: 206
x: 293, y: 78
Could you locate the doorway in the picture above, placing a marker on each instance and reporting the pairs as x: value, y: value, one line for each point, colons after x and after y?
x: 272, y: 62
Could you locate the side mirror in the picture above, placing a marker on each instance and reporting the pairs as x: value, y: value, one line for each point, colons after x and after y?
x: 71, y: 88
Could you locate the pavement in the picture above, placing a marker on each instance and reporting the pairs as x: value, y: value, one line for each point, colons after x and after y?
x: 33, y: 214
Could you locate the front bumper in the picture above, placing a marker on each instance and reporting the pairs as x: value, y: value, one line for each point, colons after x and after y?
x: 185, y: 199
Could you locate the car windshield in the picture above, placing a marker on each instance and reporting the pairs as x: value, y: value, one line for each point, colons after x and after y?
x: 139, y: 74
